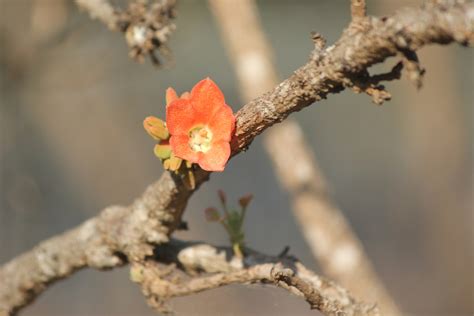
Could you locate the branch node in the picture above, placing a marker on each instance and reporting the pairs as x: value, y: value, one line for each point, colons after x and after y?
x: 318, y: 40
x: 370, y: 85
x: 319, y: 44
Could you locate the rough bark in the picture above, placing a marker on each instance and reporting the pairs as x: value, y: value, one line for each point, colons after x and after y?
x: 213, y: 267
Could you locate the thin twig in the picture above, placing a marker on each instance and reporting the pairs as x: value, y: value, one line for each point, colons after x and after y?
x: 101, y: 10
x: 201, y: 259
x: 358, y: 9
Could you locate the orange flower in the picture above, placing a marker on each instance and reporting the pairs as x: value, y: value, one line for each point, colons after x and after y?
x: 201, y: 125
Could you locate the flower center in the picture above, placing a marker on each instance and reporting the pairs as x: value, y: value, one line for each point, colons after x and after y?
x: 200, y: 139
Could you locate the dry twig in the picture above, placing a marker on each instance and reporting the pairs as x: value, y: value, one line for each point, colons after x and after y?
x: 147, y: 27
x: 214, y: 267
x: 358, y: 9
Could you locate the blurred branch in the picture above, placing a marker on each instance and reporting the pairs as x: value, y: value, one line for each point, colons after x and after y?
x: 327, y: 232
x: 147, y: 27
x: 246, y: 45
x: 101, y: 10
x: 130, y: 232
x: 211, y: 267
x: 435, y: 138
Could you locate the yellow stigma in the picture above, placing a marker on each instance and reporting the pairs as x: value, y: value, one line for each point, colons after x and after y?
x: 200, y: 139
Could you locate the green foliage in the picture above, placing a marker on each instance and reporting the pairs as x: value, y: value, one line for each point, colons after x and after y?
x: 232, y: 220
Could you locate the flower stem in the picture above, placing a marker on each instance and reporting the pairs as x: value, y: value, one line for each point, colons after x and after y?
x: 237, y: 250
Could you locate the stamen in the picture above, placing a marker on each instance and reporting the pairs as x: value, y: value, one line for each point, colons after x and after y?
x: 200, y: 139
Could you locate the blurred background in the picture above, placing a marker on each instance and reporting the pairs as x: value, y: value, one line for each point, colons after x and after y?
x: 72, y: 142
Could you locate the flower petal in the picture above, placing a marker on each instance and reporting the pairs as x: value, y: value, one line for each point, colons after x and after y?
x: 181, y: 148
x: 206, y: 97
x: 216, y: 158
x: 180, y: 117
x: 222, y: 124
x: 171, y: 95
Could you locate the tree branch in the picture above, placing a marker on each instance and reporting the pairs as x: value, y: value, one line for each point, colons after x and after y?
x: 330, y: 70
x: 101, y: 10
x: 213, y: 267
x: 327, y: 232
x: 130, y: 231
x: 116, y: 235
x: 147, y: 27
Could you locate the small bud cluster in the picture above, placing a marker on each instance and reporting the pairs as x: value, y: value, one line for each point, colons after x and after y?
x: 157, y: 129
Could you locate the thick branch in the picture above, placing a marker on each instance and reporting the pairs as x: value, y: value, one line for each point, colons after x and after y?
x: 155, y: 215
x: 116, y: 235
x: 224, y: 269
